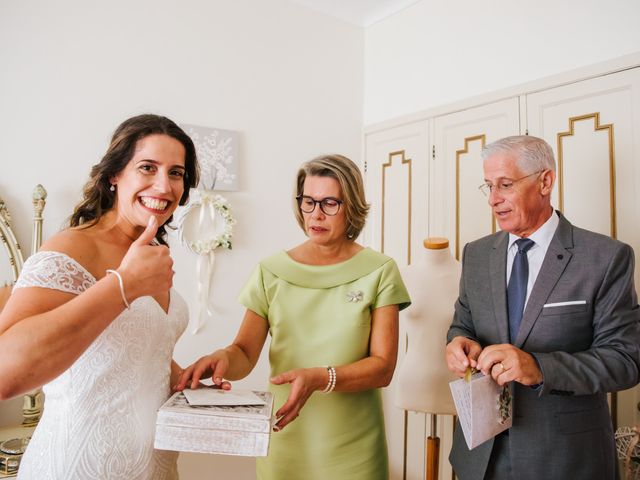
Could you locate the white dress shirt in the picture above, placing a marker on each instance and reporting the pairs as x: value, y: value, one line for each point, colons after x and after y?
x: 542, y: 238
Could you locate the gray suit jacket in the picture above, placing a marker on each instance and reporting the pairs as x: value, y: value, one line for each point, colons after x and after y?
x: 562, y: 429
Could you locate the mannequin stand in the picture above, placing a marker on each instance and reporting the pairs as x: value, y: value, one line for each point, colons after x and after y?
x: 433, y: 451
x: 422, y: 381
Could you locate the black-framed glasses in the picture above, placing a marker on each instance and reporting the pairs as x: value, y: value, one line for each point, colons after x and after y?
x: 329, y: 205
x: 503, y: 185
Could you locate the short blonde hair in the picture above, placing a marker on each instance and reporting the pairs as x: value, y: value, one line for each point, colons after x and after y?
x: 348, y: 175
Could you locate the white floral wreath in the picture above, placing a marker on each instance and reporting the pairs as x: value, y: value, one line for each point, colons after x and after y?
x: 205, y: 224
x: 222, y: 239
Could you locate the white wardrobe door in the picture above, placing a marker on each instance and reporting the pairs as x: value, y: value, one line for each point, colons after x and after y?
x: 397, y: 177
x: 459, y: 210
x: 593, y: 127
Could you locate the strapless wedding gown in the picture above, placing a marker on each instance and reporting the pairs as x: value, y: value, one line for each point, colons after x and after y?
x: 99, y: 415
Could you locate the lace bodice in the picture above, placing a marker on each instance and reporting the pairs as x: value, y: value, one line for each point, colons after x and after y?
x: 99, y: 415
x: 56, y: 271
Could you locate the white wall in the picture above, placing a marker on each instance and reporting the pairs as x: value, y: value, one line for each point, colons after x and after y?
x: 438, y: 51
x: 287, y: 78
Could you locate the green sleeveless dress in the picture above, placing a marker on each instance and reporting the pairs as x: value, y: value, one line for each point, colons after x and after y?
x: 321, y: 315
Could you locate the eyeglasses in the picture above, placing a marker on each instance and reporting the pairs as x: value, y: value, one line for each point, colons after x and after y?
x: 504, y: 185
x: 329, y: 206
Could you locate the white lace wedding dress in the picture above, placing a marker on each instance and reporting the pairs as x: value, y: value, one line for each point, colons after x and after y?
x: 99, y: 415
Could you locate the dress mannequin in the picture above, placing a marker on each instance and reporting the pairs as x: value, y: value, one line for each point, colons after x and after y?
x: 423, y: 377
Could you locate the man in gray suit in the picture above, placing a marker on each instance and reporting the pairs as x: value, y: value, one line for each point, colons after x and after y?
x: 550, y: 309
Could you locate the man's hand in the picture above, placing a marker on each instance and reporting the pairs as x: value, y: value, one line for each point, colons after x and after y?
x: 461, y: 353
x: 506, y: 363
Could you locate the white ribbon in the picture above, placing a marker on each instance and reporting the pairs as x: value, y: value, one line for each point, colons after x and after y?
x: 204, y: 265
x: 204, y: 271
x: 203, y: 227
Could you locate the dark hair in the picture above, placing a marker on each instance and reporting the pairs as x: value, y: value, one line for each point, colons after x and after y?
x: 98, y: 199
x: 348, y: 175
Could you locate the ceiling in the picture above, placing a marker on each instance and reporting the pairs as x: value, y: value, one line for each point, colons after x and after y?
x: 359, y: 12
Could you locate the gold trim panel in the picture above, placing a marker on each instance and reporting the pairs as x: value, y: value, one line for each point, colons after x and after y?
x: 612, y: 163
x: 403, y: 161
x: 483, y: 140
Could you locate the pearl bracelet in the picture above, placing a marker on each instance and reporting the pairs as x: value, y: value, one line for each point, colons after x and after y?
x: 121, y: 283
x: 332, y: 380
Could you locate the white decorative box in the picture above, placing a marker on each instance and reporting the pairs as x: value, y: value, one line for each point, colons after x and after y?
x: 226, y: 430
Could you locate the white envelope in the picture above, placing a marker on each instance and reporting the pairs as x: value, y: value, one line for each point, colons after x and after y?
x: 484, y: 408
x: 219, y: 397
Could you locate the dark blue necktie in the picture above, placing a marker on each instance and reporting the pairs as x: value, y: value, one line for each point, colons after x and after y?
x: 517, y: 288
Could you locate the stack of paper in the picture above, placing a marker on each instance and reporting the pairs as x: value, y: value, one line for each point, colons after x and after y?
x: 484, y: 407
x: 207, y: 420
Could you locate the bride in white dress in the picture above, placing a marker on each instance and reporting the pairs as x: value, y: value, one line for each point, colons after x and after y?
x: 93, y: 317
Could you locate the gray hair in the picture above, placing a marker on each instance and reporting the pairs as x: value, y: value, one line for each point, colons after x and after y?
x: 531, y: 153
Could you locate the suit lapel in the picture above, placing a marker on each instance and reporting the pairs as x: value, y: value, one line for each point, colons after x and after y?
x: 498, y: 275
x: 554, y: 263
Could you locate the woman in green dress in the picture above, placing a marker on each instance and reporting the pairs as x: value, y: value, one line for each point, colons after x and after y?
x: 331, y: 307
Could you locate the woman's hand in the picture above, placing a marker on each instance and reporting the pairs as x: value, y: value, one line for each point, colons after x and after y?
x: 146, y: 269
x: 233, y: 362
x: 304, y: 381
x: 214, y: 366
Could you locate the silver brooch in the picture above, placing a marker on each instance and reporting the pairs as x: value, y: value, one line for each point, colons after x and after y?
x: 355, y: 296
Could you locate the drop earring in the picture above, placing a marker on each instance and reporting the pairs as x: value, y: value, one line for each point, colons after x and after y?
x: 112, y: 188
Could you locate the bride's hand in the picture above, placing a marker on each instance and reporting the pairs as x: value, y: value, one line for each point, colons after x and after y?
x: 214, y: 365
x: 146, y: 269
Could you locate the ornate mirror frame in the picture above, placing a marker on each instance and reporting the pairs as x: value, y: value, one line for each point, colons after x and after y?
x: 16, y: 260
x: 33, y: 401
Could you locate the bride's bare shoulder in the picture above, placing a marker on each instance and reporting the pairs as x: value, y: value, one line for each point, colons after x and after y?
x: 77, y: 243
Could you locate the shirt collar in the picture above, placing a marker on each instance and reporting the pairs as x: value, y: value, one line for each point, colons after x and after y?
x: 543, y: 235
x: 324, y: 276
